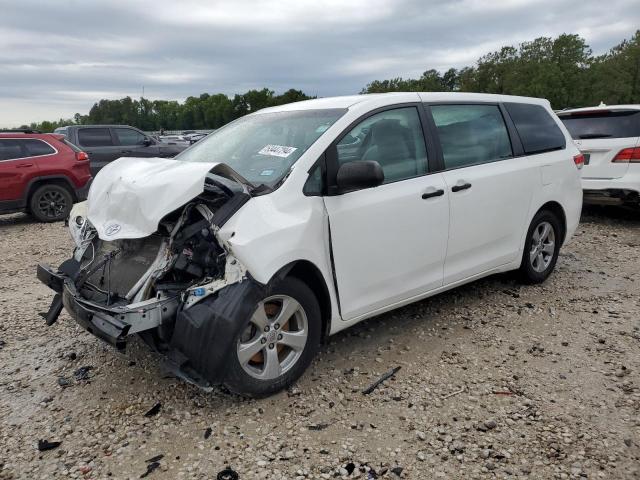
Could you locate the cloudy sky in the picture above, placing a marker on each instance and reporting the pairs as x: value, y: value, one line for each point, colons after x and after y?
x: 58, y: 57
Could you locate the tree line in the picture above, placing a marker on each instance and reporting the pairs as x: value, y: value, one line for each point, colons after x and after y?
x: 562, y: 69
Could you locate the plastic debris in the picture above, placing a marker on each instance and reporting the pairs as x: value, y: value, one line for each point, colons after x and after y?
x: 378, y: 382
x: 44, y: 445
x: 153, y: 410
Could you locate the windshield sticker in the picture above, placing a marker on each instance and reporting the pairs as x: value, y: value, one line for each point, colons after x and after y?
x: 266, y: 173
x: 277, y: 150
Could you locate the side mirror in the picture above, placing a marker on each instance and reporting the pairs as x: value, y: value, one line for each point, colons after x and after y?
x: 360, y: 174
x: 147, y: 141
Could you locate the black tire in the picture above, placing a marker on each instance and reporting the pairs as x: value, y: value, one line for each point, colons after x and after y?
x: 528, y: 272
x: 239, y: 381
x: 50, y: 203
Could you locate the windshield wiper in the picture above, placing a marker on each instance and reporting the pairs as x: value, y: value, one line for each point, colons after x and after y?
x: 594, y: 135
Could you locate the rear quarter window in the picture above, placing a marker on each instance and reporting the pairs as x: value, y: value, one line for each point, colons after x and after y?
x: 36, y: 148
x: 537, y: 130
x: 602, y: 124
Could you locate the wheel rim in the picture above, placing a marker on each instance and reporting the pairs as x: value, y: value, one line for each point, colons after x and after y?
x: 52, y: 204
x: 543, y: 245
x: 274, y: 339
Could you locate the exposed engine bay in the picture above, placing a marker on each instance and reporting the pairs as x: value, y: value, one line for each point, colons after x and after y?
x: 115, y: 288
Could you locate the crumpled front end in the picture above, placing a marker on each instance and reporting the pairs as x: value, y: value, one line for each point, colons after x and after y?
x: 118, y: 287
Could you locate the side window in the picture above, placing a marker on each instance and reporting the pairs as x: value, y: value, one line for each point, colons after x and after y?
x: 471, y: 134
x: 314, y: 184
x: 537, y: 130
x: 38, y: 147
x: 94, y: 137
x: 392, y: 138
x: 128, y: 136
x: 11, y: 149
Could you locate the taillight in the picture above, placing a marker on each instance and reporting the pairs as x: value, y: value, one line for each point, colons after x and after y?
x: 627, y: 155
x: 579, y: 160
x: 81, y: 156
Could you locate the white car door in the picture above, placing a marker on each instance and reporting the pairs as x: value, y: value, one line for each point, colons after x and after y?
x: 490, y: 191
x: 388, y: 242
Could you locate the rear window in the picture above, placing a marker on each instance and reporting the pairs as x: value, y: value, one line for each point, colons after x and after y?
x: 603, y: 124
x: 538, y: 131
x: 94, y: 137
x: 70, y: 145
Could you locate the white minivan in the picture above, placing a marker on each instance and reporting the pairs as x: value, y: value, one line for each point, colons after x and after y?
x: 609, y: 138
x: 240, y: 255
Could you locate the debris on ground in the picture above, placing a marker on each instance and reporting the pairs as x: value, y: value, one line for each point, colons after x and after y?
x: 379, y: 382
x: 153, y: 410
x: 44, y: 445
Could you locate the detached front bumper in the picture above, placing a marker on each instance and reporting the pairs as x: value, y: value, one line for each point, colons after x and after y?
x: 111, y: 324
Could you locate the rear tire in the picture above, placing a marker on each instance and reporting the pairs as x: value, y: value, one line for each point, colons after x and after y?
x: 278, y: 343
x: 50, y: 203
x: 541, y: 248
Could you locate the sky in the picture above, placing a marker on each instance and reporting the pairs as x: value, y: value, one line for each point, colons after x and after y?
x: 59, y: 57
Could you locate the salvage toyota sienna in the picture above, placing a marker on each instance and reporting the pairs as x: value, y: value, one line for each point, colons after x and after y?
x: 238, y: 257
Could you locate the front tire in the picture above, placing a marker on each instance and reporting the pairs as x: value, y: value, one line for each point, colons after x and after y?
x: 541, y: 248
x: 278, y: 342
x: 50, y: 203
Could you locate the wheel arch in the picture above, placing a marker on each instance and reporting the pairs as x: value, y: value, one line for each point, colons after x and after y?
x: 555, y: 208
x: 59, y: 180
x: 310, y: 275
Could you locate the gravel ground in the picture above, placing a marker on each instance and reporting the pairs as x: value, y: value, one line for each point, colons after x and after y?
x: 497, y: 380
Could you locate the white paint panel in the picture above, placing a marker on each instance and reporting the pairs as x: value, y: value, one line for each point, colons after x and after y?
x: 388, y: 243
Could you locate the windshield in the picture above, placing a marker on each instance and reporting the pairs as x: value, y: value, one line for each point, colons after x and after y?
x: 263, y: 147
x: 603, y: 124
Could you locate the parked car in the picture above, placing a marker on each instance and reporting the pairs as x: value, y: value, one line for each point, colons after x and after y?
x: 240, y: 255
x: 42, y: 174
x: 105, y: 143
x: 609, y: 138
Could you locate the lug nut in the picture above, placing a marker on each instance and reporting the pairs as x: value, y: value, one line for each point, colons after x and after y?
x: 271, y: 346
x: 280, y: 337
x: 263, y: 340
x: 266, y: 329
x: 276, y: 326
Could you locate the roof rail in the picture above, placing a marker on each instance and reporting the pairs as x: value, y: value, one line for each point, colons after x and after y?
x: 19, y: 130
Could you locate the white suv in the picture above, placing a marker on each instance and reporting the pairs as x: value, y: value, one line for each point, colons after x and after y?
x: 240, y: 255
x: 608, y: 136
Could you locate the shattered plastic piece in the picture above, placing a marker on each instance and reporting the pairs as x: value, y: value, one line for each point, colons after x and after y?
x: 44, y: 445
x: 378, y: 382
x: 63, y: 382
x: 157, y: 458
x: 318, y: 426
x: 153, y: 410
x: 150, y: 468
x: 397, y: 470
x: 83, y: 373
x: 227, y: 474
x: 207, y: 433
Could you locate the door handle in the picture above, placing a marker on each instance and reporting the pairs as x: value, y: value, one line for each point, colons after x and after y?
x: 461, y: 186
x: 24, y: 165
x: 126, y: 151
x: 433, y: 193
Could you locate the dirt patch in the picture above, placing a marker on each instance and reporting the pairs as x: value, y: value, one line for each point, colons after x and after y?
x: 497, y: 380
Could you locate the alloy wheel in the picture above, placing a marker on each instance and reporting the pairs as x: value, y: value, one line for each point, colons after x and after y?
x: 52, y: 204
x: 543, y: 246
x: 274, y: 339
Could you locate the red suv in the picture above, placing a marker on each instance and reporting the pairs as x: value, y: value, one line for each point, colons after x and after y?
x: 42, y: 174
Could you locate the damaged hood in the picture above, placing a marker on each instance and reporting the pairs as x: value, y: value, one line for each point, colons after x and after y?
x: 129, y: 196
